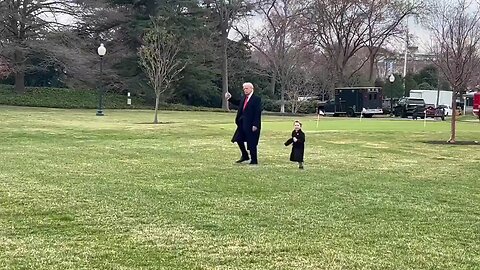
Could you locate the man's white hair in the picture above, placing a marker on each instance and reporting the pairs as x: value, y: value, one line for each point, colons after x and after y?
x: 248, y: 84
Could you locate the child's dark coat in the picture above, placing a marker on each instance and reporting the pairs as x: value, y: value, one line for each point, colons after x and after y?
x: 298, y: 147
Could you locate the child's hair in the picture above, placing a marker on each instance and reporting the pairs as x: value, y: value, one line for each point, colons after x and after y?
x: 300, y: 123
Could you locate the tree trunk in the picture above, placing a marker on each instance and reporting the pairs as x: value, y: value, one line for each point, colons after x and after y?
x: 273, y: 81
x: 19, y: 72
x: 224, y: 68
x: 282, y: 99
x: 20, y: 82
x: 340, y: 80
x: 157, y: 101
x: 453, y: 123
x: 371, y: 66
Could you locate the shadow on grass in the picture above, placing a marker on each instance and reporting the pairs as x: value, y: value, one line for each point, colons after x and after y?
x: 456, y: 143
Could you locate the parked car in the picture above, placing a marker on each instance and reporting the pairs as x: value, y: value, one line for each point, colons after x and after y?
x: 447, y: 109
x: 388, y: 105
x: 406, y: 106
x: 431, y: 111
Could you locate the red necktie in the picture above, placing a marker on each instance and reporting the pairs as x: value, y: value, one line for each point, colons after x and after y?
x: 245, y: 103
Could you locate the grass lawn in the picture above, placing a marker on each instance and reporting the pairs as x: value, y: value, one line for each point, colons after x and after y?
x: 116, y: 192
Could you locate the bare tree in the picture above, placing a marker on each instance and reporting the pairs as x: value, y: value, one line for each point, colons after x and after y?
x: 341, y: 29
x: 158, y: 57
x: 455, y: 28
x: 323, y: 82
x: 308, y: 82
x: 278, y: 41
x: 384, y: 22
x: 301, y: 89
x: 226, y: 12
x: 22, y: 24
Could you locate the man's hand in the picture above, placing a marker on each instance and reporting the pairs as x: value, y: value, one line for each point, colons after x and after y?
x: 254, y: 128
x: 228, y: 95
x: 295, y: 139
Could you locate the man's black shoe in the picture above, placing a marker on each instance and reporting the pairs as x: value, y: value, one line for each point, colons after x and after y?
x: 253, y: 163
x: 242, y: 160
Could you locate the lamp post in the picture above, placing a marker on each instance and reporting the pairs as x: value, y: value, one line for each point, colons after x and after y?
x: 101, y: 52
x: 391, y: 78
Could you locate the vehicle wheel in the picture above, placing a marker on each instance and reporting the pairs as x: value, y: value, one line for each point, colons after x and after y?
x: 350, y: 113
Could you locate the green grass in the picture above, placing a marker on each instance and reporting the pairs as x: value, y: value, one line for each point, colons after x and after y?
x: 116, y: 192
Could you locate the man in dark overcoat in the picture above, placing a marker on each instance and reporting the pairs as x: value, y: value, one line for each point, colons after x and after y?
x: 248, y: 121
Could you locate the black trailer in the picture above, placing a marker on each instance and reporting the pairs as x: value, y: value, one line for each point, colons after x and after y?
x: 353, y: 101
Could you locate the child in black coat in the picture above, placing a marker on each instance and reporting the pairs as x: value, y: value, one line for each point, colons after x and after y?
x: 298, y: 141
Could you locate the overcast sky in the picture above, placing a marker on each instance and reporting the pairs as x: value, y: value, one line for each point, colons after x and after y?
x: 421, y: 35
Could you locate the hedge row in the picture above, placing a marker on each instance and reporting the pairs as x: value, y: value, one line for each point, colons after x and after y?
x: 80, y: 99
x: 307, y: 107
x: 64, y: 98
x: 88, y: 99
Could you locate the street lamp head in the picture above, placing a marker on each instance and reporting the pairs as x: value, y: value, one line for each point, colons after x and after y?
x: 391, y: 78
x: 101, y: 50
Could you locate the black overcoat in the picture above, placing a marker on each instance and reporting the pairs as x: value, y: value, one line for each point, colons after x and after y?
x: 298, y: 147
x: 246, y: 119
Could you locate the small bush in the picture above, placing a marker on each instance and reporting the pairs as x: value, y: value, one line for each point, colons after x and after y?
x: 182, y: 107
x: 271, y: 105
x: 308, y: 107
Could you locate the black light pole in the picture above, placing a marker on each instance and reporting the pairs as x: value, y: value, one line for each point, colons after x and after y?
x: 391, y: 78
x: 101, y: 52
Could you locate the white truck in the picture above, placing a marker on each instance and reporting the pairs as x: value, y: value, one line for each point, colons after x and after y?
x: 435, y: 97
